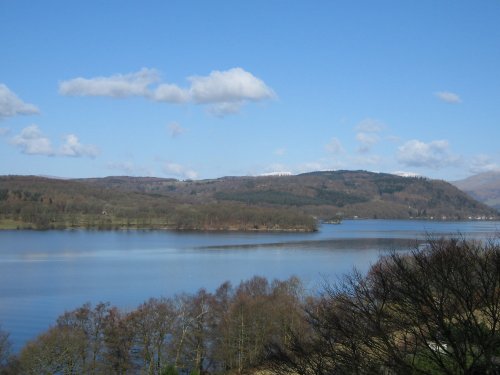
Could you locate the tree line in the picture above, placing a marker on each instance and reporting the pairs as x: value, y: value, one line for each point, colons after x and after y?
x: 432, y: 310
x: 224, y: 331
x: 50, y: 205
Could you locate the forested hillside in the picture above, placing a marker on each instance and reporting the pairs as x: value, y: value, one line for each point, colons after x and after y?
x: 41, y: 203
x: 229, y: 203
x: 358, y: 194
x: 326, y: 195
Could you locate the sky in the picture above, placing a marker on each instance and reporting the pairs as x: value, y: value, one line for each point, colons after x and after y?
x: 206, y: 89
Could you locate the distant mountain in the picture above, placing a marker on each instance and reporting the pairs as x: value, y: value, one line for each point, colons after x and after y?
x: 229, y: 203
x: 485, y: 187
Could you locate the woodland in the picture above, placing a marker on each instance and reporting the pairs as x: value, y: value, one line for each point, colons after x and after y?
x: 267, y: 203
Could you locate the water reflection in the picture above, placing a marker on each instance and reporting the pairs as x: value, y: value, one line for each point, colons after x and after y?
x: 44, y: 273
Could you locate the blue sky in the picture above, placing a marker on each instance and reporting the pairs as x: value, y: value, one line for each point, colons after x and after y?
x: 204, y: 89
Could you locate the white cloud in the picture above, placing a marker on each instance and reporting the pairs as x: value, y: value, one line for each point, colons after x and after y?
x: 179, y: 171
x: 334, y: 146
x: 170, y: 93
x: 73, y: 147
x: 31, y: 141
x: 448, y: 97
x: 175, y: 129
x: 233, y: 85
x: 224, y: 92
x: 227, y: 91
x: 116, y: 86
x: 11, y: 105
x: 483, y: 163
x: 435, y: 154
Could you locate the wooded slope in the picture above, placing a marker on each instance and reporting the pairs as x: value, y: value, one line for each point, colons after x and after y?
x: 229, y: 203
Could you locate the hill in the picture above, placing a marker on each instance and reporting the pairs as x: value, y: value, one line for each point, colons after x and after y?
x: 485, y: 187
x: 355, y: 194
x: 112, y: 203
x: 229, y: 203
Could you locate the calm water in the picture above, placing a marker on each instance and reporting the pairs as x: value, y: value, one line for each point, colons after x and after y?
x: 42, y: 274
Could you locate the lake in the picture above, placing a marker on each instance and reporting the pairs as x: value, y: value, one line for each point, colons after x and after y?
x: 42, y: 274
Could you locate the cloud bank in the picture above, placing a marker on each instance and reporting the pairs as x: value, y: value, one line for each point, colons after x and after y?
x: 483, y: 163
x: 435, y: 154
x: 11, y: 105
x: 223, y: 92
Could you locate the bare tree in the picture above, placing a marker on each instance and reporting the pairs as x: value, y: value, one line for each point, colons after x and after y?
x: 261, y: 314
x: 91, y: 323
x: 433, y: 310
x: 151, y: 323
x: 118, y: 339
x: 199, y: 311
x: 57, y: 351
x: 220, y: 331
x: 182, y: 327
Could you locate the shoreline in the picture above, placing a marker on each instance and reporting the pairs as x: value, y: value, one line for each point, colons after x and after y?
x: 29, y: 227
